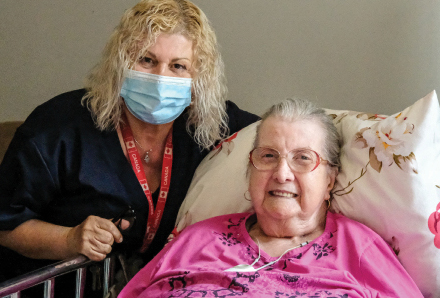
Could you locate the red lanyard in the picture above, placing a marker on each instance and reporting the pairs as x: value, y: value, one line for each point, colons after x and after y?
x: 154, y: 216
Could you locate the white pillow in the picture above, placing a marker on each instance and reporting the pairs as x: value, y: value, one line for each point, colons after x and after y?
x: 389, y: 177
x: 219, y: 183
x: 394, y: 191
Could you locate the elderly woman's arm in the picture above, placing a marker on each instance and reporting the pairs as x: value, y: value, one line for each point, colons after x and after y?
x: 41, y: 240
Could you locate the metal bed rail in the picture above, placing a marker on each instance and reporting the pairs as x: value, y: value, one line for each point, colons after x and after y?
x: 13, y: 287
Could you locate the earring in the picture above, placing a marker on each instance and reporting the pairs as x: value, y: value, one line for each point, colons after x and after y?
x: 329, y: 203
x: 245, y: 197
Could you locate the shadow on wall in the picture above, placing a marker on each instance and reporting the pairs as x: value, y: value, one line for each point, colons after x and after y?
x: 7, y: 131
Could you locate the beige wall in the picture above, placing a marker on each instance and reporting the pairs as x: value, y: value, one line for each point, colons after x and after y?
x: 366, y: 55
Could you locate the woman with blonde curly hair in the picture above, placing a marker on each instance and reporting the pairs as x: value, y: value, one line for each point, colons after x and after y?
x: 151, y: 110
x: 136, y: 34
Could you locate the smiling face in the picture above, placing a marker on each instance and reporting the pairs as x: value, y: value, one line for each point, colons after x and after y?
x: 282, y: 194
x: 171, y: 55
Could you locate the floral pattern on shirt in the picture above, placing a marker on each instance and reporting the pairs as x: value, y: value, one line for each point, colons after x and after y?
x: 240, y: 281
x: 322, y: 251
x: 318, y: 294
x: 238, y: 285
x: 232, y: 224
x: 286, y: 278
x: 243, y: 282
x: 228, y: 239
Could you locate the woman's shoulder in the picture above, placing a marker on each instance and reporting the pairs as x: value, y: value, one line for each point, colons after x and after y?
x: 347, y: 227
x: 55, y: 115
x: 60, y: 121
x: 219, y: 222
x: 343, y: 221
x: 61, y: 108
x: 206, y: 231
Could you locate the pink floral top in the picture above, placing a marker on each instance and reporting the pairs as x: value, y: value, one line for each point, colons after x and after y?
x: 347, y: 260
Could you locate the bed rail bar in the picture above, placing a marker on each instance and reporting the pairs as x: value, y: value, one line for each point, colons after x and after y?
x: 12, y: 288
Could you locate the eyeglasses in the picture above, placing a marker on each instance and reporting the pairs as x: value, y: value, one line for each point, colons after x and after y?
x: 299, y: 160
x: 128, y: 215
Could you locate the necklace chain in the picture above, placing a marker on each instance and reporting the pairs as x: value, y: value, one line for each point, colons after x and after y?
x: 146, y: 157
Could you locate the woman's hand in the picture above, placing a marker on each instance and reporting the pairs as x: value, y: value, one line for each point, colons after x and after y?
x: 93, y: 238
x: 42, y: 240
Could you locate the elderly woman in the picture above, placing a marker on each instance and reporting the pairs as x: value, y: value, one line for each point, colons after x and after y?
x: 292, y: 246
x: 151, y: 110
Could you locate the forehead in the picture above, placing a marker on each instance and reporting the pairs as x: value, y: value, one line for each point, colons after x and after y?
x: 285, y: 135
x: 177, y: 44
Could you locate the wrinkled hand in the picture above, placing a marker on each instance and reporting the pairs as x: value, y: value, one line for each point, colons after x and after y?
x: 93, y: 238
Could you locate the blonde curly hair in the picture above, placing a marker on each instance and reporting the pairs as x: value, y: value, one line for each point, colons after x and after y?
x: 136, y: 33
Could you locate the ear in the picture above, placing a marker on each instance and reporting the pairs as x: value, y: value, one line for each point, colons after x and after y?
x: 331, y: 180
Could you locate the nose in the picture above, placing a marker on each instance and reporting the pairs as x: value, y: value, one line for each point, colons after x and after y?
x: 160, y: 69
x: 282, y: 172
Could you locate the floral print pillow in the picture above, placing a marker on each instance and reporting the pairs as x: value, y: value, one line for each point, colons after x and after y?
x: 389, y: 180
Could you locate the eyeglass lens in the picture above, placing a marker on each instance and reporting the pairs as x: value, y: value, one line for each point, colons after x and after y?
x: 300, y: 160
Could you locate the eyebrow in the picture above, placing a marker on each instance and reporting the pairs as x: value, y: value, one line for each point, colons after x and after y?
x: 300, y: 148
x: 172, y: 60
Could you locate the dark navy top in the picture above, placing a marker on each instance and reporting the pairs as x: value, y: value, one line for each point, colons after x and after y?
x: 60, y: 168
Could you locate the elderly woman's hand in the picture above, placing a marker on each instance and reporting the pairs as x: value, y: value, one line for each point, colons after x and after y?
x: 93, y: 238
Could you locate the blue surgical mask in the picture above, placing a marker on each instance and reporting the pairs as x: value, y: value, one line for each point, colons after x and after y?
x: 155, y: 99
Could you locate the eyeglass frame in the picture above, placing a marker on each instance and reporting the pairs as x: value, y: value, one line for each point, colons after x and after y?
x: 319, y: 159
